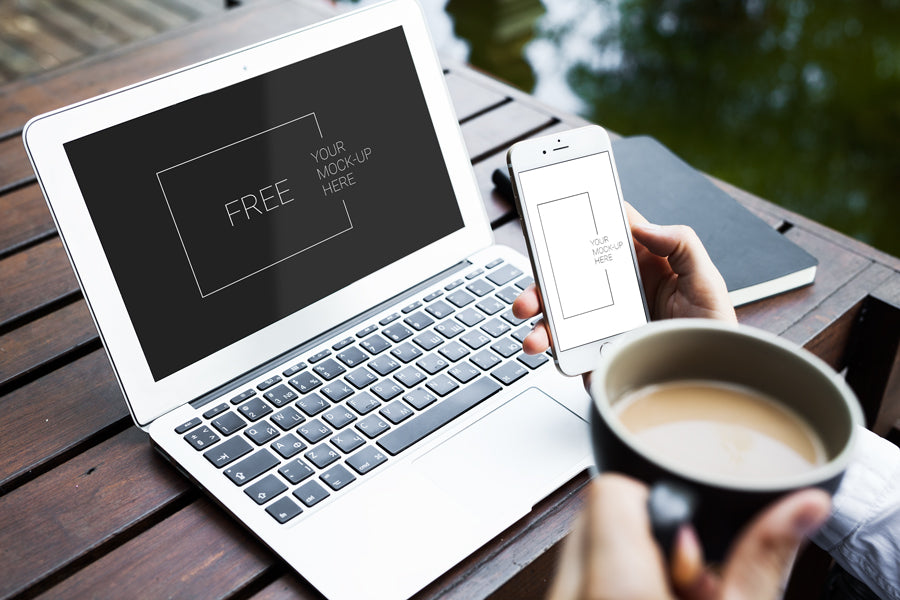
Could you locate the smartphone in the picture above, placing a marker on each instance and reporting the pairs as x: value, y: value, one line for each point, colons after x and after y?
x: 570, y: 203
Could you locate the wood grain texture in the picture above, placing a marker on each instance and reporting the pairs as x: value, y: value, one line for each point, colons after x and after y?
x: 25, y: 219
x: 33, y: 279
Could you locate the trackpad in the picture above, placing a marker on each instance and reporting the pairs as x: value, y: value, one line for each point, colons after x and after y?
x: 513, y: 457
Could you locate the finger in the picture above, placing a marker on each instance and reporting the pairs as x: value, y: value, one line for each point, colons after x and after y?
x: 679, y: 244
x: 687, y: 569
x: 538, y: 340
x: 759, y: 564
x: 527, y: 304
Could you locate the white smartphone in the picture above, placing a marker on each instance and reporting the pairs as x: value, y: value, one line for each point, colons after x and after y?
x: 573, y: 217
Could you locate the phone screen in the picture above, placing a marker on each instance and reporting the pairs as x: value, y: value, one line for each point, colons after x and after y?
x: 581, y: 242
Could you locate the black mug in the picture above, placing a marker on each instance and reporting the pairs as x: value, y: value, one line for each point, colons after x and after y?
x: 700, y: 349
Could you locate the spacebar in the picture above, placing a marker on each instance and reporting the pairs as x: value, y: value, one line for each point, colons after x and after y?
x: 438, y: 415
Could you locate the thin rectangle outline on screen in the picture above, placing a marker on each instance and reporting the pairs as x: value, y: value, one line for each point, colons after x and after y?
x: 178, y: 230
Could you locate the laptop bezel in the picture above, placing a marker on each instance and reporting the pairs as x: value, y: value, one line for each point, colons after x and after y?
x: 45, y: 135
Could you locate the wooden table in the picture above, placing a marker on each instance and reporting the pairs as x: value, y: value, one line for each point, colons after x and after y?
x: 86, y: 506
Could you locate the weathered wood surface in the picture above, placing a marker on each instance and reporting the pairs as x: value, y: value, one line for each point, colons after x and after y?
x: 88, y: 509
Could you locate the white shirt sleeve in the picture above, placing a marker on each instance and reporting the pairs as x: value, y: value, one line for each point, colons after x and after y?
x: 863, y: 532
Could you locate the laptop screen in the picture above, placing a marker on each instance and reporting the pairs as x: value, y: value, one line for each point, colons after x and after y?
x: 222, y: 214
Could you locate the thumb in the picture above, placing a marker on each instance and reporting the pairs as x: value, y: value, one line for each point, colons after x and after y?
x: 762, y: 557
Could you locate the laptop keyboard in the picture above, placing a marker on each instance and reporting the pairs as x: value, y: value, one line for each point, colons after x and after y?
x: 304, y: 434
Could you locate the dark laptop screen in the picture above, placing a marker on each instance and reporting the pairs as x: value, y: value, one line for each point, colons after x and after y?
x: 224, y: 213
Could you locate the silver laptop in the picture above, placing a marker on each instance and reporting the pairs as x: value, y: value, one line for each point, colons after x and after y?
x: 288, y: 260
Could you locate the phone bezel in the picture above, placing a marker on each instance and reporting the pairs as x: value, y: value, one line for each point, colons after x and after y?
x: 549, y: 150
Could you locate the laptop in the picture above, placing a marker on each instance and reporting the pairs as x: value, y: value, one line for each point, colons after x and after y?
x: 288, y: 260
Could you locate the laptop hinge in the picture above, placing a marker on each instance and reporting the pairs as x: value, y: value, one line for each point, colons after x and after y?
x: 307, y: 345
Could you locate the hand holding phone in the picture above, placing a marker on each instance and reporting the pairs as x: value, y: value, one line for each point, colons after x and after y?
x: 570, y: 201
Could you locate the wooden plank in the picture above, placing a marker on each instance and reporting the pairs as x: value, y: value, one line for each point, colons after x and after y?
x: 80, y: 31
x: 34, y: 278
x: 25, y: 219
x: 510, y: 234
x: 470, y: 98
x: 59, y: 411
x: 497, y: 129
x: 32, y: 35
x: 176, y: 48
x: 63, y: 515
x: 836, y: 267
x: 113, y: 20
x: 14, y: 164
x: 198, y: 552
x: 34, y: 344
x: 289, y: 586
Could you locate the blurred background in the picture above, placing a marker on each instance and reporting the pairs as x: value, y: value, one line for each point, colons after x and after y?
x: 794, y: 100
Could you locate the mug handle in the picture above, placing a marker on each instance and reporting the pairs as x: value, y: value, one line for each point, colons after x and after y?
x: 670, y: 505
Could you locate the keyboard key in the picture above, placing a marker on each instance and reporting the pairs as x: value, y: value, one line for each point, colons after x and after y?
x: 428, y: 340
x: 491, y: 306
x: 329, y: 369
x: 337, y: 477
x: 342, y: 344
x: 454, y: 351
x: 485, y: 360
x: 215, y: 410
x: 305, y: 382
x: 432, y: 363
x: 395, y: 412
x: 268, y: 383
x: 254, y: 409
x: 384, y: 365
x: 363, y: 403
x: 411, y: 307
x: 418, y: 320
x: 243, y: 396
x: 296, y: 471
x: 389, y: 319
x: 439, y: 309
x: 310, y: 493
x: 433, y: 295
x: 419, y: 398
x: 453, y: 285
x: 287, y: 418
x: 352, y: 356
x: 280, y: 395
x: 410, y: 376
x: 524, y: 282
x: 449, y: 329
x: 338, y: 417
x: 506, y: 347
x: 494, y: 263
x: 532, y: 361
x: 463, y: 372
x: 229, y: 423
x: 261, y: 433
x: 284, y: 509
x: 366, y: 459
x: 460, y: 298
x: 364, y: 332
x: 322, y: 455
x: 406, y: 352
x: 265, y: 489
x: 508, y: 294
x: 504, y: 275
x: 442, y: 385
x: 475, y: 339
x: 312, y: 404
x: 339, y: 390
x: 287, y: 445
x: 495, y: 327
x: 510, y: 372
x: 188, y: 425
x: 470, y: 317
x: 291, y: 371
x: 474, y: 274
x: 512, y: 319
x: 319, y: 356
x: 480, y: 287
x: 397, y: 332
x: 347, y: 441
x: 375, y: 344
x: 521, y: 333
x: 228, y: 451
x: 439, y: 415
x: 252, y: 467
x: 314, y: 431
x: 372, y: 426
x: 386, y: 389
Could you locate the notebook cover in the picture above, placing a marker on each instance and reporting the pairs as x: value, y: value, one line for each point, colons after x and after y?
x: 755, y: 259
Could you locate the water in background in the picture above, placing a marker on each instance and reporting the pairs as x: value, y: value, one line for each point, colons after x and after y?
x: 794, y: 100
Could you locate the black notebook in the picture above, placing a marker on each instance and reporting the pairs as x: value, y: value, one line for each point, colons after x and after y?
x: 755, y: 259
